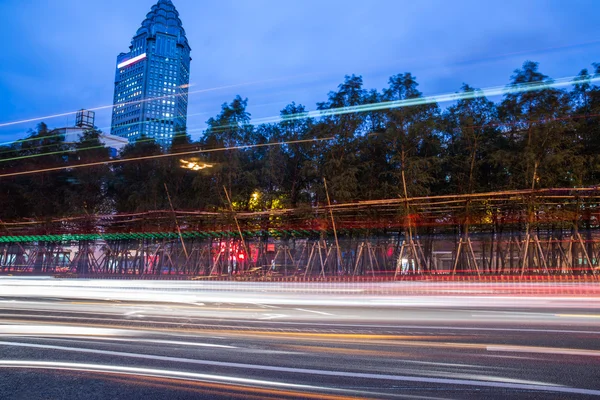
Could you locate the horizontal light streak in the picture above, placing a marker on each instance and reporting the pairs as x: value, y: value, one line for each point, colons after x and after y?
x: 57, y: 330
x: 543, y: 350
x: 298, y: 295
x: 120, y: 161
x: 132, y: 61
x: 361, y: 108
x: 151, y: 372
x: 170, y: 342
x: 51, y: 153
x: 493, y: 382
x: 207, y: 90
x: 443, y: 98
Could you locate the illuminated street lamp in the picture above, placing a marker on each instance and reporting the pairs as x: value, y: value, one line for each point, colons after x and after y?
x: 194, y: 165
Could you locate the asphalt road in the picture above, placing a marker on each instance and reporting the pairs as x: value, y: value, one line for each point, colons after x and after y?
x: 155, y: 340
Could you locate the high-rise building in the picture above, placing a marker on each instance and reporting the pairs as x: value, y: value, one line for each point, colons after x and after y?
x: 152, y: 80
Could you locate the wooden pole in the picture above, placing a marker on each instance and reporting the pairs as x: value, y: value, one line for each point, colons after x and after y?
x: 525, y: 254
x: 585, y: 253
x: 337, y: 243
x: 237, y: 223
x: 358, y: 258
x: 176, y: 222
x: 473, y: 256
x: 309, y: 262
x: 460, y: 243
x: 541, y: 257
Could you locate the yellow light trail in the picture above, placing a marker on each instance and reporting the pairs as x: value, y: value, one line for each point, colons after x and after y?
x: 108, y: 162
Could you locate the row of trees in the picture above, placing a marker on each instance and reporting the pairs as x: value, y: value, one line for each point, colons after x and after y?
x: 547, y: 137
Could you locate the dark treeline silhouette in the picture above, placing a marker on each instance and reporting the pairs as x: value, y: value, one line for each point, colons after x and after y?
x: 541, y: 138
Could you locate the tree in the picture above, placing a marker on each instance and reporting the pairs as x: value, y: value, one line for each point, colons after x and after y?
x: 43, y: 194
x: 413, y: 139
x: 338, y: 162
x: 374, y: 170
x: 299, y: 171
x: 585, y: 99
x: 472, y: 140
x: 535, y: 125
x: 139, y: 185
x: 88, y: 187
x: 538, y: 136
x: 229, y: 130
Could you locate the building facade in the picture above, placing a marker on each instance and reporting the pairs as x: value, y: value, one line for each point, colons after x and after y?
x: 85, y: 121
x: 152, y: 79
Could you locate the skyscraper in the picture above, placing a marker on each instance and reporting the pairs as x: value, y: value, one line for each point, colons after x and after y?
x: 152, y: 79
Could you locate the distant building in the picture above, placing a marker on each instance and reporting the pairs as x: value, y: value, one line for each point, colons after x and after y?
x: 85, y: 121
x: 114, y: 143
x: 152, y: 80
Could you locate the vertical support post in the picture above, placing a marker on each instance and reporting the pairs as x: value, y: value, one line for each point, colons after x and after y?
x: 236, y: 222
x: 473, y: 256
x: 176, y: 222
x: 321, y: 259
x: 337, y: 243
x: 541, y: 257
x: 309, y: 262
x: 458, y: 251
x: 358, y: 258
x: 586, y: 254
x: 525, y: 253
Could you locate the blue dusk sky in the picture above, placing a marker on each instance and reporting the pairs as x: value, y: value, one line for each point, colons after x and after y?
x: 59, y: 56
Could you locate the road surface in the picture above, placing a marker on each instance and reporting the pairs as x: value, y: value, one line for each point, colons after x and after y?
x: 188, y: 340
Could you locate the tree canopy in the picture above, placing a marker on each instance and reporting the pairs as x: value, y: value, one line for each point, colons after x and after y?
x: 541, y: 138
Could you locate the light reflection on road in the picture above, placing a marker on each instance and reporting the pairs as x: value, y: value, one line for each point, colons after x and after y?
x: 278, y: 341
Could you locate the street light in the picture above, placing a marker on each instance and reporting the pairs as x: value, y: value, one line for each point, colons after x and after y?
x: 194, y: 165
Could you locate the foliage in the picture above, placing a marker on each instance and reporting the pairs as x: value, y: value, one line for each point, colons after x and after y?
x: 539, y: 138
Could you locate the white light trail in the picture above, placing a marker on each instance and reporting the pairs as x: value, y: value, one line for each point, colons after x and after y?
x: 497, y: 382
x: 299, y: 295
x: 152, y: 372
x: 131, y: 61
x: 443, y: 98
x: 56, y: 330
x: 99, y: 108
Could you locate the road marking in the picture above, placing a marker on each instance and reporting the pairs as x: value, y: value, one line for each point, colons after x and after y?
x: 130, y: 313
x: 58, y: 330
x: 312, y: 311
x: 544, y: 350
x: 201, y: 319
x: 497, y: 382
x: 509, y: 316
x: 577, y: 316
x: 272, y: 316
x: 265, y: 305
x: 173, y: 342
